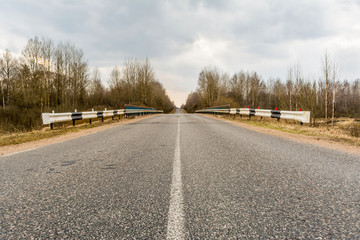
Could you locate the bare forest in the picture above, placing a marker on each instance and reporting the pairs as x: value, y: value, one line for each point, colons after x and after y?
x: 49, y: 76
x: 327, y: 97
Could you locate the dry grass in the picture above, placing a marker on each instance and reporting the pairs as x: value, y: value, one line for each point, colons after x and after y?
x: 22, y: 137
x: 345, y: 130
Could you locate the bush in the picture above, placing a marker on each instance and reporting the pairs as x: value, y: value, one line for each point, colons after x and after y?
x: 355, y: 130
x: 14, y: 118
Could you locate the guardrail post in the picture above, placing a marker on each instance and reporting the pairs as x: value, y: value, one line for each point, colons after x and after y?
x: 74, y: 121
x: 90, y: 118
x: 52, y: 124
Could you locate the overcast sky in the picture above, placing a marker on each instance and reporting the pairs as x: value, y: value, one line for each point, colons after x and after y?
x: 181, y: 37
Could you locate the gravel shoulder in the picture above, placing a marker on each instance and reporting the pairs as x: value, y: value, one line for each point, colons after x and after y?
x: 296, y: 137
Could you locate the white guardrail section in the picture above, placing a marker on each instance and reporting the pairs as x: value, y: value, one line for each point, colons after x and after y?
x: 51, y: 118
x: 213, y: 111
x: 301, y: 116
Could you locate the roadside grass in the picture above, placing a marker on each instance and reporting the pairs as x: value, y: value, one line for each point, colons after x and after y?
x: 59, y: 129
x: 345, y: 130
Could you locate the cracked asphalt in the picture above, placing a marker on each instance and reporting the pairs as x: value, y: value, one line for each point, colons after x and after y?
x: 236, y: 184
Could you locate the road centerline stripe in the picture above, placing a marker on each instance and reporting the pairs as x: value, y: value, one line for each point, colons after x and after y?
x: 175, y: 225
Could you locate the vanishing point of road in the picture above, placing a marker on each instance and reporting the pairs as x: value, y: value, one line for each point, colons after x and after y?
x: 180, y: 176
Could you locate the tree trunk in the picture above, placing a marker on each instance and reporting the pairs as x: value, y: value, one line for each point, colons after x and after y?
x: 326, y: 73
x: 333, y: 96
x: 3, y: 96
x: 333, y: 106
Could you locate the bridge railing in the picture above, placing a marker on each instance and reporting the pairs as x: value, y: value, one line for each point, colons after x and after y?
x: 301, y: 116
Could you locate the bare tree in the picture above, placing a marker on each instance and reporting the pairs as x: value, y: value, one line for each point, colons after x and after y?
x: 334, y: 76
x: 96, y: 90
x: 115, y: 78
x: 116, y: 88
x: 289, y: 86
x: 209, y: 85
x: 145, y: 77
x: 47, y: 51
x: 237, y: 87
x: 255, y: 84
x: 193, y: 102
x: 2, y: 85
x: 130, y: 78
x: 298, y: 81
x: 327, y: 74
x: 8, y: 69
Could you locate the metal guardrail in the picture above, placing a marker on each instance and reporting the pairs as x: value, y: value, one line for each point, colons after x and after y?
x: 51, y: 118
x: 130, y: 111
x: 301, y: 116
x: 133, y: 109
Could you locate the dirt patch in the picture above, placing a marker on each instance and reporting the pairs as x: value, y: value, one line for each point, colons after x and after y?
x: 315, y: 140
x: 6, y: 150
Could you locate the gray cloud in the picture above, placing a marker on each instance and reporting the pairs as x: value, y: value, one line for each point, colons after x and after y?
x: 180, y: 37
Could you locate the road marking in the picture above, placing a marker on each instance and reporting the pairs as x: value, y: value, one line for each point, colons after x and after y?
x: 175, y: 225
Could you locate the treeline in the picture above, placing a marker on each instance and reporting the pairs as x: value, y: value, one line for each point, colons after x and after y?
x: 326, y: 97
x: 49, y: 76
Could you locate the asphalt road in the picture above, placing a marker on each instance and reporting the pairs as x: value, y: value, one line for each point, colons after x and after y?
x: 180, y: 176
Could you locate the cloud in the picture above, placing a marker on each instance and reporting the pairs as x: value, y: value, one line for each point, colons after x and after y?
x: 180, y: 37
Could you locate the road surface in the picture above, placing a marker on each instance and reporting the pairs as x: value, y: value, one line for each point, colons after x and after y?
x: 180, y: 176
